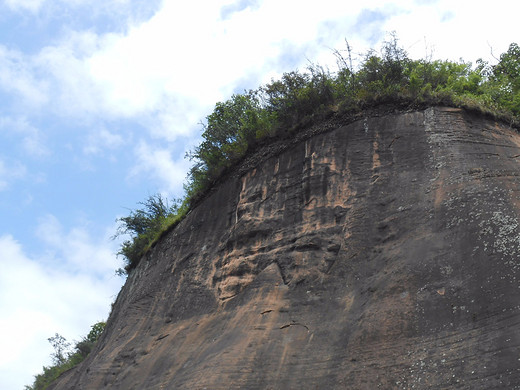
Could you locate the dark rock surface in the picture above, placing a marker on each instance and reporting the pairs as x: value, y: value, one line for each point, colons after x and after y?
x: 384, y: 254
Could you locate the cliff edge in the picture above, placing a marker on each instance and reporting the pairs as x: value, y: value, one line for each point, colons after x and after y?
x: 384, y: 253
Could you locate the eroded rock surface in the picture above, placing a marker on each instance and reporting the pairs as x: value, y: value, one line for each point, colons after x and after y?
x: 382, y: 254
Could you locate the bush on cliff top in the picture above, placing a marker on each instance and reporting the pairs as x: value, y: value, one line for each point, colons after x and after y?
x: 281, y: 107
x: 277, y: 108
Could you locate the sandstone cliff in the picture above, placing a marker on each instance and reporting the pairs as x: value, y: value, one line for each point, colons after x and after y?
x: 383, y: 253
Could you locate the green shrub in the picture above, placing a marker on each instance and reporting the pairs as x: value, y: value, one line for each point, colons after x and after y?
x: 64, y: 358
x: 145, y: 226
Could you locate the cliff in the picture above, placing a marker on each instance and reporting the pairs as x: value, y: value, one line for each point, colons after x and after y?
x: 382, y: 253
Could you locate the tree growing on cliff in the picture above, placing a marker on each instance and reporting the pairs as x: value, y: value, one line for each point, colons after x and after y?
x: 64, y: 358
x: 505, y: 79
x: 145, y: 225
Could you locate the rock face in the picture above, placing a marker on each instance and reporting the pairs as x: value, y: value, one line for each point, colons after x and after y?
x: 384, y: 253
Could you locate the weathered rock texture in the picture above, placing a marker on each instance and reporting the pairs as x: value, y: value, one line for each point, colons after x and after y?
x: 381, y: 254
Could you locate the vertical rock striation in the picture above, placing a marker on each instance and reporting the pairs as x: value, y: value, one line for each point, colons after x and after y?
x: 384, y: 253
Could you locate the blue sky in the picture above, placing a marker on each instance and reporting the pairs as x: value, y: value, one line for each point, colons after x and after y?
x: 101, y: 100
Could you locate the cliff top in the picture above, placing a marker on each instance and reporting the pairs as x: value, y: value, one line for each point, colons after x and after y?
x: 300, y: 104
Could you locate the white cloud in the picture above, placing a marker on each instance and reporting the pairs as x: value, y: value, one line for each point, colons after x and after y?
x: 74, y: 91
x: 8, y: 173
x: 161, y: 165
x: 75, y: 250
x: 66, y: 291
x: 102, y: 139
x: 168, y: 71
x: 31, y: 137
x: 18, y: 76
x: 35, y: 6
x: 462, y: 29
x: 30, y: 5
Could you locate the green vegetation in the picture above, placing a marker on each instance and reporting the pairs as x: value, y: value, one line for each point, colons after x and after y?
x: 145, y: 226
x: 63, y: 358
x: 299, y: 99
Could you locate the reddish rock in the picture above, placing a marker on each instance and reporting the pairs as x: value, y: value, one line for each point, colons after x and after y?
x: 384, y: 253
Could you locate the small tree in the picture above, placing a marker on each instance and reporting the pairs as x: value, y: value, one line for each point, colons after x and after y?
x: 64, y: 358
x: 144, y: 226
x: 61, y: 349
x: 84, y: 347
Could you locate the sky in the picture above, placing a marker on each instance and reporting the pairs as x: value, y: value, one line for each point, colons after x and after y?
x: 101, y: 99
